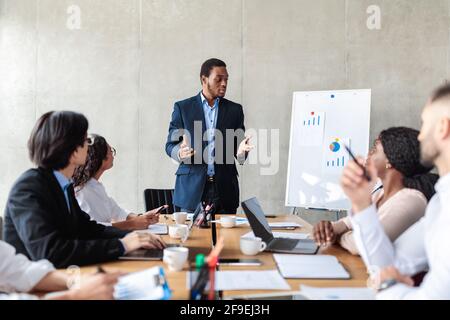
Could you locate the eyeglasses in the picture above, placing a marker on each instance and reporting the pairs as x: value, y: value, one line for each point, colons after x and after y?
x: 113, y: 151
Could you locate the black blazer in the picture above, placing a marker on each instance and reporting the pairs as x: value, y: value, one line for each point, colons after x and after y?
x: 191, y: 177
x: 40, y: 226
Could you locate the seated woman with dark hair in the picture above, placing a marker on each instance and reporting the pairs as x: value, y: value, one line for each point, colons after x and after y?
x: 42, y: 217
x: 92, y: 196
x: 406, y: 188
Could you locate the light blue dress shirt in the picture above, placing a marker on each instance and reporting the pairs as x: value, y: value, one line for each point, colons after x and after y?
x: 64, y: 183
x: 211, y: 121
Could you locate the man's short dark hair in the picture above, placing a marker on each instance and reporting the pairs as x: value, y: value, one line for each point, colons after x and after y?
x: 441, y: 93
x: 55, y: 136
x: 209, y: 64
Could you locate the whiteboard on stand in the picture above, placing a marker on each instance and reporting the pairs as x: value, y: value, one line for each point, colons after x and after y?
x: 321, y: 123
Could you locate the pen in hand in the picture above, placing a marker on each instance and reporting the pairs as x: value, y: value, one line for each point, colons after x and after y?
x: 100, y: 270
x: 366, y: 175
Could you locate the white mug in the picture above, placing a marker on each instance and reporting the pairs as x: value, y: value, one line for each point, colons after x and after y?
x: 227, y: 221
x: 175, y: 257
x: 180, y: 217
x: 179, y: 231
x: 252, y: 246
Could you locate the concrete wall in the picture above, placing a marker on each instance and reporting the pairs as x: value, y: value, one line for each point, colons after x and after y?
x: 130, y: 61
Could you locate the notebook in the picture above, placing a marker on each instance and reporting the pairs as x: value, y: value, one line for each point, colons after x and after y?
x: 310, y: 267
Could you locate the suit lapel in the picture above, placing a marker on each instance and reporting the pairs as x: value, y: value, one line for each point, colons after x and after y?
x: 220, y: 125
x: 199, y: 115
x: 56, y: 189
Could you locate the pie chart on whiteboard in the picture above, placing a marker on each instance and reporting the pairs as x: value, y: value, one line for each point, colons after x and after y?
x: 335, y: 146
x: 335, y: 155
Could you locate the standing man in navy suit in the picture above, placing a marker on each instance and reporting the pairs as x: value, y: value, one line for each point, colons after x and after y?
x: 206, y: 134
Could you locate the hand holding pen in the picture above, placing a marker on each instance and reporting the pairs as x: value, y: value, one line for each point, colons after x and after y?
x: 358, y: 183
x: 358, y: 163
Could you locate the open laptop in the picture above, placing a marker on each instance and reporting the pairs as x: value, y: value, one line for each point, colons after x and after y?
x: 261, y: 228
x: 146, y: 254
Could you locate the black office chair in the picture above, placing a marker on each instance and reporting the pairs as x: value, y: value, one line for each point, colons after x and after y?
x: 155, y: 198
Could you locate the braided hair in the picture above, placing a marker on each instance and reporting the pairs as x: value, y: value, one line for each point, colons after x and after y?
x: 402, y: 149
x: 97, y: 152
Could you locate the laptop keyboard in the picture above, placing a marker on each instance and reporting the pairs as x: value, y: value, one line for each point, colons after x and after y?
x: 149, y: 253
x: 283, y: 244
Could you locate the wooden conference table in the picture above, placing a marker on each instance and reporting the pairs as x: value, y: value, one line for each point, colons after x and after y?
x: 200, y: 242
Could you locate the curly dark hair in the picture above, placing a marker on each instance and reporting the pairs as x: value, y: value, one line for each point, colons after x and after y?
x: 402, y: 149
x: 97, y: 152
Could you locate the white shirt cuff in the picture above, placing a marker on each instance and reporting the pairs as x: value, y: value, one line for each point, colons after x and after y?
x: 368, y: 217
x: 34, y: 273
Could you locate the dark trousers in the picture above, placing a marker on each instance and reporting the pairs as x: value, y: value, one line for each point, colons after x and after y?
x: 211, y: 195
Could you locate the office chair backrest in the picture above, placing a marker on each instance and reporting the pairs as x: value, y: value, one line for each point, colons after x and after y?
x: 155, y: 198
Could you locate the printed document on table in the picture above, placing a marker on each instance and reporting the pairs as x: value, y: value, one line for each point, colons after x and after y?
x: 246, y: 280
x: 310, y: 266
x: 288, y: 235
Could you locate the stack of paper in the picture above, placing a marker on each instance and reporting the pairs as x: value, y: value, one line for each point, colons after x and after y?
x: 310, y: 266
x: 245, y: 280
x: 284, y: 225
x: 159, y: 228
x: 239, y: 220
x: 337, y: 293
x: 288, y: 235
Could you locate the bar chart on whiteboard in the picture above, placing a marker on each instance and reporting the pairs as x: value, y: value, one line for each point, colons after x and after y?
x: 335, y: 157
x: 311, y: 128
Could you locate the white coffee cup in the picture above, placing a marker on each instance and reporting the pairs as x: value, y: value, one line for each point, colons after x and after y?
x: 251, y: 246
x: 179, y: 231
x: 180, y: 217
x: 175, y: 257
x: 227, y: 221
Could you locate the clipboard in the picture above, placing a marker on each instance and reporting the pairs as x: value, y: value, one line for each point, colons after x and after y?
x: 148, y: 284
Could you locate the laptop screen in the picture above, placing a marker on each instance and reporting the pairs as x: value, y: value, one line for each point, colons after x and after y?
x: 257, y: 219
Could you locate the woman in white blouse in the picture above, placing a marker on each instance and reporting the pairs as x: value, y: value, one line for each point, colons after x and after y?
x: 18, y: 274
x: 93, y: 198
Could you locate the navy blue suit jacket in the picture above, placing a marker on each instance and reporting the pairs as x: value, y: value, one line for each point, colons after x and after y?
x: 191, y: 173
x: 39, y: 225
